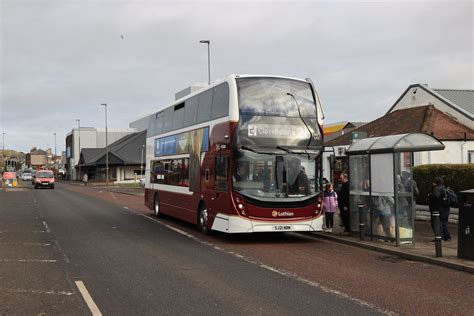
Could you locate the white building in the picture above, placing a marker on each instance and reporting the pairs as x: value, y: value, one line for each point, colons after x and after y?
x: 447, y: 114
x: 89, y: 137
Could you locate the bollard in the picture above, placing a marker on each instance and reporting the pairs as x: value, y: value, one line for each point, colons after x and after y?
x: 437, y: 232
x: 361, y: 222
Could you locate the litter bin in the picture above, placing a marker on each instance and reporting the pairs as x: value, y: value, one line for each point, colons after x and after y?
x: 466, y: 225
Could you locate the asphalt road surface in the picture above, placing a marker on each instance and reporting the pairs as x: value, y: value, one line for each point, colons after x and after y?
x: 75, y: 251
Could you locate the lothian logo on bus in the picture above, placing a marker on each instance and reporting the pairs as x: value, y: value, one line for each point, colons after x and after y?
x: 282, y: 214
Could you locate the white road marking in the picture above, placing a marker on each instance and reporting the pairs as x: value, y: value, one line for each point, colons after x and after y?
x: 47, y: 228
x: 29, y: 260
x: 278, y: 271
x: 126, y: 208
x: 37, y: 292
x: 87, y: 297
x: 22, y: 231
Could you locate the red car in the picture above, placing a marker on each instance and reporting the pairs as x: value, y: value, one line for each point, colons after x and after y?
x: 44, y: 179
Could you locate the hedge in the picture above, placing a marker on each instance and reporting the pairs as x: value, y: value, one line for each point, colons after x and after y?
x: 458, y: 177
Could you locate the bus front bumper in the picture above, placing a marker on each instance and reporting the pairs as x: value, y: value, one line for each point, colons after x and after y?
x: 237, y: 224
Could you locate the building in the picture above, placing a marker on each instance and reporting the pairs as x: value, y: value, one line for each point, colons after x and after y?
x: 446, y: 114
x: 125, y: 158
x: 88, y: 137
x: 37, y: 158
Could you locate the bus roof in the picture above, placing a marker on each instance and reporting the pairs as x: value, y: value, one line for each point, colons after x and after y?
x: 213, y: 84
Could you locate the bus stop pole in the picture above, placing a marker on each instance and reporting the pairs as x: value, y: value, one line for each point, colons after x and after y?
x: 437, y: 232
x: 361, y: 222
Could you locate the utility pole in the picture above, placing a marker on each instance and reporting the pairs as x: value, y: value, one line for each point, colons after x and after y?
x: 55, y: 152
x: 79, y: 159
x: 208, y: 42
x: 106, y: 149
x: 3, y: 152
x: 141, y: 162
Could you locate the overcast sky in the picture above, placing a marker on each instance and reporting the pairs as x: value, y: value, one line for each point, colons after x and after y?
x: 61, y: 59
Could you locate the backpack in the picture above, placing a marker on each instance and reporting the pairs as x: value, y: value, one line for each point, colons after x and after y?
x: 450, y: 198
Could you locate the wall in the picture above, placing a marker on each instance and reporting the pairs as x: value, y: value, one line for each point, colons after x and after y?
x: 455, y: 152
x: 422, y: 97
x: 128, y: 172
x: 38, y: 160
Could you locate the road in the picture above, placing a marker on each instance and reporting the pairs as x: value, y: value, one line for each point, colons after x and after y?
x: 51, y: 241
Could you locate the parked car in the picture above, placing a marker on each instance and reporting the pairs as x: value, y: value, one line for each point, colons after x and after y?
x: 43, y: 179
x: 26, y: 176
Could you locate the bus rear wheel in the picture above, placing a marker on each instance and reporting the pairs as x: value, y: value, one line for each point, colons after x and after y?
x: 202, y: 219
x: 156, y: 206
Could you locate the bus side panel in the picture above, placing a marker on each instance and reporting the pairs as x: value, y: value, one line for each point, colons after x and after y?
x: 149, y: 196
x: 182, y: 206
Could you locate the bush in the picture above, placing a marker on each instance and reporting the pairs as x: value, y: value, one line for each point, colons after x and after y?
x: 458, y: 177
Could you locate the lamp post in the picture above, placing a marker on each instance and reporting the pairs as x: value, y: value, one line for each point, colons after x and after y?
x: 55, y: 152
x: 79, y: 135
x: 141, y: 162
x: 106, y: 149
x: 3, y: 151
x: 208, y: 42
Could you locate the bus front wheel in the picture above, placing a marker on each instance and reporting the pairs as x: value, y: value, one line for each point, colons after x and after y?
x: 202, y: 219
x: 156, y: 206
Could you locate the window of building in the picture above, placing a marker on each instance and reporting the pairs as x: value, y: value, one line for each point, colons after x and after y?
x: 470, y: 156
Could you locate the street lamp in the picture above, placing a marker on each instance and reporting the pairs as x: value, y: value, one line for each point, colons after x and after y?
x: 208, y: 42
x: 141, y: 162
x: 106, y: 149
x: 55, y: 152
x: 3, y: 152
x: 79, y: 161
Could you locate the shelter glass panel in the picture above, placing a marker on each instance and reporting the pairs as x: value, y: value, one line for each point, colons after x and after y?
x: 381, y: 173
x: 405, y: 208
x: 359, y: 188
x: 383, y: 216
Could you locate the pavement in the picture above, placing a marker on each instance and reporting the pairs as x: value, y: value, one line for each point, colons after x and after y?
x: 423, y: 250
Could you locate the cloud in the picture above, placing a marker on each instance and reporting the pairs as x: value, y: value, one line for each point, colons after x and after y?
x: 61, y: 59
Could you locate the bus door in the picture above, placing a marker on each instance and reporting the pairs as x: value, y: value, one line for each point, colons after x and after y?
x: 219, y: 181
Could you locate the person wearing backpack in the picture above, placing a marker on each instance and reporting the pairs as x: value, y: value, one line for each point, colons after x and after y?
x: 438, y: 201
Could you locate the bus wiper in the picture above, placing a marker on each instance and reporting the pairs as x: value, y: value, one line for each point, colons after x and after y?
x: 301, y: 117
x: 284, y: 149
x: 249, y: 149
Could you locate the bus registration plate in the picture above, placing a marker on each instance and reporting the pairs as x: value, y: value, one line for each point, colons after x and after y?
x: 282, y: 227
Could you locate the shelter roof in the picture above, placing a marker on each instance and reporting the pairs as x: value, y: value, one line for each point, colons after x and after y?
x: 410, y: 142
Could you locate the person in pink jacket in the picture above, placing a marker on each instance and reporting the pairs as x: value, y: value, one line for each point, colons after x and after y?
x: 329, y: 206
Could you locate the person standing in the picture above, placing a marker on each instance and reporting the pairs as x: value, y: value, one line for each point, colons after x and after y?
x: 329, y: 206
x: 85, y: 179
x: 344, y: 203
x: 437, y: 199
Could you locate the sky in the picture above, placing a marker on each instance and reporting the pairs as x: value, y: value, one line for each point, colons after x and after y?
x: 61, y: 59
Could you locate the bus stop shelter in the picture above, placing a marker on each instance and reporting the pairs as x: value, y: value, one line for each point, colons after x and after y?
x: 381, y: 185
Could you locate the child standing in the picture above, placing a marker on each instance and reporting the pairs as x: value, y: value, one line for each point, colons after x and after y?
x: 329, y: 206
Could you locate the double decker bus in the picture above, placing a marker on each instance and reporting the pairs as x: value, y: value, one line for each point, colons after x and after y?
x: 241, y: 155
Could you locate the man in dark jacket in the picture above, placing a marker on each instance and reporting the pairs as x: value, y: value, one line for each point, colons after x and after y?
x: 436, y: 197
x: 343, y: 202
